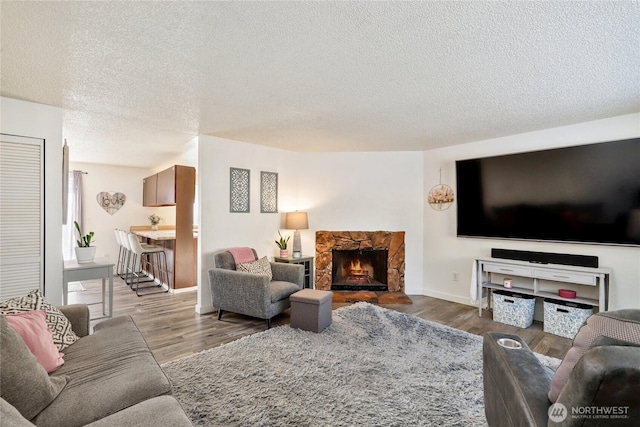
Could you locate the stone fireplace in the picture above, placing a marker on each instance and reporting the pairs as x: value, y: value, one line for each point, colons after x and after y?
x: 360, y: 260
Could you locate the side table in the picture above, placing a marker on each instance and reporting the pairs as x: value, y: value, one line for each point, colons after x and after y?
x: 100, y: 268
x: 307, y: 262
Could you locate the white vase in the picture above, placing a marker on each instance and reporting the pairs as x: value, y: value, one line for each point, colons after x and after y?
x: 85, y: 255
x: 154, y: 227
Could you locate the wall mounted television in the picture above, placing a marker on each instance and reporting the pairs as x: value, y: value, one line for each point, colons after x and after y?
x: 580, y: 194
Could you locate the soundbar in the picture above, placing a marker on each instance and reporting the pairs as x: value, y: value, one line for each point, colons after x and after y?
x: 546, y: 257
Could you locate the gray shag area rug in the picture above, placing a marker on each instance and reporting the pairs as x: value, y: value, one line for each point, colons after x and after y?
x: 371, y: 367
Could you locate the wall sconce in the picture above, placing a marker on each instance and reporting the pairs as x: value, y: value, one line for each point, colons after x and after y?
x: 296, y: 221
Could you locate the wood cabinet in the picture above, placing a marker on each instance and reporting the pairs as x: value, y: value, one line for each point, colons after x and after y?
x: 149, y: 190
x: 162, y: 189
x: 166, y: 187
x: 181, y: 258
x: 176, y: 186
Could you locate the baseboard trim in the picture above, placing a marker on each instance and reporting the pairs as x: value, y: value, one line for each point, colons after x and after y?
x: 181, y: 290
x: 448, y: 297
x: 414, y: 291
x: 205, y: 309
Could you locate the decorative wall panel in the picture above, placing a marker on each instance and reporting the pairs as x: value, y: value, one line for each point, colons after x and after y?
x: 239, y: 191
x: 268, y: 192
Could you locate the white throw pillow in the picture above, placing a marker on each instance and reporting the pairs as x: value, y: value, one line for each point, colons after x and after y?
x: 261, y: 266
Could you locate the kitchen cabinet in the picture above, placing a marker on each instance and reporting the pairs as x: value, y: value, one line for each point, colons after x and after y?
x: 164, y: 188
x: 149, y: 190
x: 176, y: 186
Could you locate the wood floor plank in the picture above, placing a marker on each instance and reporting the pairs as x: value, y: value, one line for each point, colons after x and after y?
x: 174, y: 330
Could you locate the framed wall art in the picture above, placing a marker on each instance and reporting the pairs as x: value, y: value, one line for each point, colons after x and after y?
x: 239, y: 190
x: 268, y: 192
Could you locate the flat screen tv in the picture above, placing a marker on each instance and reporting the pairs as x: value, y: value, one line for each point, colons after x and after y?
x: 582, y: 194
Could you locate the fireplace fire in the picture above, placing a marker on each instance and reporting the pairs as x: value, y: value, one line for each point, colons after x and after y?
x: 359, y: 270
x: 357, y: 273
x: 389, y: 274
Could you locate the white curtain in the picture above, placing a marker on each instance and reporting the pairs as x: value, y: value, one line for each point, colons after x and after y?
x: 65, y: 183
x: 74, y: 213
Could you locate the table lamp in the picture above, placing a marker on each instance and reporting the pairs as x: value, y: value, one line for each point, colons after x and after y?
x: 296, y: 221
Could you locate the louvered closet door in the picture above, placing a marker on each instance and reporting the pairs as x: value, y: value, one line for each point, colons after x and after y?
x: 21, y: 215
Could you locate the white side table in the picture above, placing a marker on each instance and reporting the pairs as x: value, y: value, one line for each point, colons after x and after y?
x: 100, y: 268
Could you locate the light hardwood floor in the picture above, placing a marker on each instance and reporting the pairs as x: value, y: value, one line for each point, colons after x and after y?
x: 174, y: 330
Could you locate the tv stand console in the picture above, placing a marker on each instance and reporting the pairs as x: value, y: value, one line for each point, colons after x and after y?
x: 544, y: 280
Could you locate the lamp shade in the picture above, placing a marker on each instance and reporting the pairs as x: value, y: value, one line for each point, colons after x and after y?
x: 296, y: 221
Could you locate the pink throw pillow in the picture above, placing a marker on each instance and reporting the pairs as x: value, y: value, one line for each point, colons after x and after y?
x: 32, y: 327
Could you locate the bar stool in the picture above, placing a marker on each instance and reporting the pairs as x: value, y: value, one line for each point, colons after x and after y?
x: 121, y: 254
x: 129, y: 259
x: 152, y: 256
x: 126, y: 257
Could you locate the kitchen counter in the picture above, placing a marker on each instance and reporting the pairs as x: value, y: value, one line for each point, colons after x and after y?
x: 160, y: 234
x: 181, y: 252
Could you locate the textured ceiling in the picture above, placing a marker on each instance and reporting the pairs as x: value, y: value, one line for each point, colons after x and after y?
x: 138, y: 80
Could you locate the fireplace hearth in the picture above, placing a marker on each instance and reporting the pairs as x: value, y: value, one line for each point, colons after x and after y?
x: 360, y: 261
x: 358, y: 270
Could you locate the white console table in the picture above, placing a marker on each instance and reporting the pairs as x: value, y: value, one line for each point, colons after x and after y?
x: 100, y: 268
x: 529, y: 277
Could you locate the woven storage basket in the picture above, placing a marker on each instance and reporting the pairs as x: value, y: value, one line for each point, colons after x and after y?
x: 564, y: 318
x: 513, y: 308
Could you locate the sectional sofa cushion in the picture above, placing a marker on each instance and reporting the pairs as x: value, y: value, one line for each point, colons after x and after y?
x: 32, y: 328
x: 10, y: 417
x: 108, y: 371
x: 620, y: 326
x: 165, y: 409
x: 63, y: 335
x: 24, y: 383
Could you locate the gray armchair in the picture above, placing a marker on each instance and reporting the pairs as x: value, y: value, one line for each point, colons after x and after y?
x: 253, y: 294
x: 605, y: 378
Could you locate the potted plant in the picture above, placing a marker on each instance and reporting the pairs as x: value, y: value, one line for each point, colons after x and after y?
x: 282, y: 244
x: 155, y: 220
x: 84, y: 252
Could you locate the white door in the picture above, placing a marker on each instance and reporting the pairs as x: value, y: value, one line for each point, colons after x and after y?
x: 21, y: 215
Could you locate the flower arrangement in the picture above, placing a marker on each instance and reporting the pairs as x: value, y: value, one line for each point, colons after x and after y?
x: 154, y: 219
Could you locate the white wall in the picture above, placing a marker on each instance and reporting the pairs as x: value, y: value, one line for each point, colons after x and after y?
x: 445, y: 254
x: 126, y: 180
x: 41, y: 121
x: 340, y: 191
x: 220, y: 229
x: 365, y: 192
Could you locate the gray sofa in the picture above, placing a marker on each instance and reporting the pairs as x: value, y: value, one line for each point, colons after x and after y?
x: 253, y: 294
x: 112, y: 379
x: 605, y: 378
